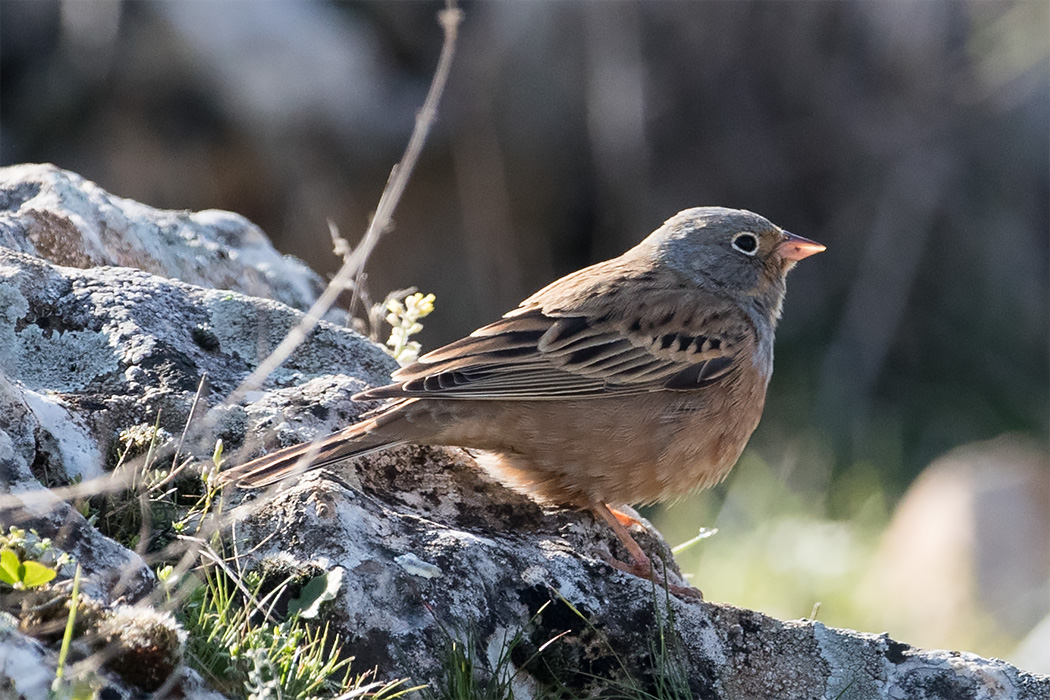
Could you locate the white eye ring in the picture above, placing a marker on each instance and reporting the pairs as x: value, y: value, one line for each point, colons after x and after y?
x: 750, y: 243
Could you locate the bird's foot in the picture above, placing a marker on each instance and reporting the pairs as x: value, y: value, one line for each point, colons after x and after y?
x: 685, y: 592
x: 640, y: 565
x: 641, y: 569
x: 644, y: 570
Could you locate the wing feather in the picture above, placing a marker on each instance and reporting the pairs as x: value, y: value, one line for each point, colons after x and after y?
x: 680, y: 340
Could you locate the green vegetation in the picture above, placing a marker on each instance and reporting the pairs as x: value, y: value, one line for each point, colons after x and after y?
x: 28, y: 560
x: 82, y: 688
x: 23, y: 574
x: 237, y: 639
x: 469, y: 676
x: 239, y: 644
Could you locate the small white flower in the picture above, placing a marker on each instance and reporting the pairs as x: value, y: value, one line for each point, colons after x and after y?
x: 404, y: 323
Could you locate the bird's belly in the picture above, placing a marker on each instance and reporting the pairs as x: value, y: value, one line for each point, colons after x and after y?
x: 652, y: 448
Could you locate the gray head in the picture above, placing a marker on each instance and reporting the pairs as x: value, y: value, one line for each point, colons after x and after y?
x: 737, y: 252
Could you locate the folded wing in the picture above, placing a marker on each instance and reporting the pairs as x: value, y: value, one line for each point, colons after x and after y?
x: 677, y: 340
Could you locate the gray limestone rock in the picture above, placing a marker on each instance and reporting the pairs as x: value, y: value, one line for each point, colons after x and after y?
x: 61, y: 217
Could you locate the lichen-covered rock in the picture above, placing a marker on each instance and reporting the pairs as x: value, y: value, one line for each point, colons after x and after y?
x: 459, y: 559
x: 61, y: 217
x: 432, y: 551
x: 86, y: 353
x: 32, y: 425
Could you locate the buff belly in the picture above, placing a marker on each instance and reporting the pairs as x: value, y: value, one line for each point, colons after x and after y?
x: 595, y: 452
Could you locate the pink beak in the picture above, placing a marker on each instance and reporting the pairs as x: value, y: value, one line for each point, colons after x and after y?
x: 794, y: 247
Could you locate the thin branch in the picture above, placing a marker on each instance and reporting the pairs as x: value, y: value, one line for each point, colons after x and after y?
x: 449, y: 19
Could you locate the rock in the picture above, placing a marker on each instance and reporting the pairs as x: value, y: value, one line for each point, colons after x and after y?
x: 32, y: 425
x: 423, y: 570
x: 61, y: 217
x: 25, y: 669
x: 431, y: 549
x: 85, y: 354
x: 89, y: 352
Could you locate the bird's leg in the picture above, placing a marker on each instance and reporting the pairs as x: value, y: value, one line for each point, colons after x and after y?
x: 640, y: 565
x: 625, y: 519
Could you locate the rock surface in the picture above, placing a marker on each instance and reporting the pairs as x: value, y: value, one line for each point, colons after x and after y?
x: 59, y: 216
x: 431, y: 549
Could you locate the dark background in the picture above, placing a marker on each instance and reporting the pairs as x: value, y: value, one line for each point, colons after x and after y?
x: 910, y: 138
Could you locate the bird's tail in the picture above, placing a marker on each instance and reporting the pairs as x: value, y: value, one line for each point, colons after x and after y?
x: 376, y: 433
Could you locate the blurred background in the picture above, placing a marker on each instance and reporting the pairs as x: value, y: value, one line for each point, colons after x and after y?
x: 900, y: 479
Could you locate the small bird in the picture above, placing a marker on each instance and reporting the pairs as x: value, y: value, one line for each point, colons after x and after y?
x: 632, y: 381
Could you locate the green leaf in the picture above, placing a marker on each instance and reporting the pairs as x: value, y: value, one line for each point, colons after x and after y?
x: 36, y: 574
x: 9, y: 567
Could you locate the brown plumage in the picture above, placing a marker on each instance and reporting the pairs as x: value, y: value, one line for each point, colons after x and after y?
x: 635, y: 380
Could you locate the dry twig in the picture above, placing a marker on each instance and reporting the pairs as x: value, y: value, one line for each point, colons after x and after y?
x: 350, y: 271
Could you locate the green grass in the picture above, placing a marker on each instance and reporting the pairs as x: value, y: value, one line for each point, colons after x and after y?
x: 468, y: 675
x: 242, y: 656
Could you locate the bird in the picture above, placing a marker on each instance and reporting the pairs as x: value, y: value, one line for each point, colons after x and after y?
x: 632, y: 381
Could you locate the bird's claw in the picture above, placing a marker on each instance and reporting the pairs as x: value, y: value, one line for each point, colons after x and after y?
x: 644, y: 570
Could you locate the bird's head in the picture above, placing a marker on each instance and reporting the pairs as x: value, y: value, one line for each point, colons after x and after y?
x: 736, y: 252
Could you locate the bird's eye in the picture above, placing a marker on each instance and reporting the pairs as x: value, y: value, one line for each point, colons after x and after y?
x: 746, y: 243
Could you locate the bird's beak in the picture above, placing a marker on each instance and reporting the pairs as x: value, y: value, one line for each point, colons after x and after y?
x: 795, y: 248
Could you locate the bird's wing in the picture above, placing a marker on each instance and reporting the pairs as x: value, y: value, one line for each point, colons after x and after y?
x: 676, y: 339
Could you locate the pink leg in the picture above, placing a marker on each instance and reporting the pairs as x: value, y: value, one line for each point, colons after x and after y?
x: 640, y: 565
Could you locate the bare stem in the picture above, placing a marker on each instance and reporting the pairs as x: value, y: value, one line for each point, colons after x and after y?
x: 449, y: 19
